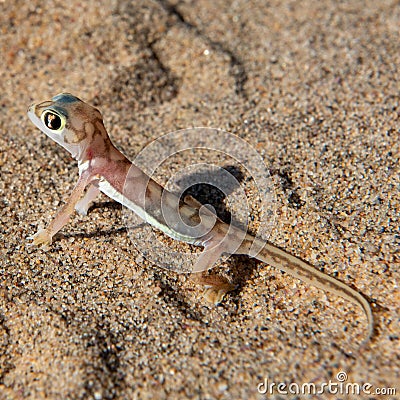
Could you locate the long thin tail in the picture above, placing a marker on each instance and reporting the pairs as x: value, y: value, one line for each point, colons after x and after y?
x: 294, y: 266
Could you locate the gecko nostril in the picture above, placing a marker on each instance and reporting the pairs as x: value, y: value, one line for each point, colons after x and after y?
x: 31, y: 107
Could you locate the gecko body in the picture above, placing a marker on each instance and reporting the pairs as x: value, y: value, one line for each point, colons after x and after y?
x: 79, y: 128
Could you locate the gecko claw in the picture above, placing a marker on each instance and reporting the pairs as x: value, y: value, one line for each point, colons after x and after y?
x: 41, y: 237
x: 216, y: 294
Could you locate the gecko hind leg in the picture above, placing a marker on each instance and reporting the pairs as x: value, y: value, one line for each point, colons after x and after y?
x: 216, y: 286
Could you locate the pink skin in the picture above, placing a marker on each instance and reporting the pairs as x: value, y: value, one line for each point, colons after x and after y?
x: 79, y: 128
x: 85, y: 137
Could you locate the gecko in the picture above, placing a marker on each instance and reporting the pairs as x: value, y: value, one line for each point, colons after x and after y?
x: 78, y: 127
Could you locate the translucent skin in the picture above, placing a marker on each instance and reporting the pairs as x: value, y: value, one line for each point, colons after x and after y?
x: 79, y: 128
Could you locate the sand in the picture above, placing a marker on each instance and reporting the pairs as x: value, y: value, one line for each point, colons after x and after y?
x: 313, y: 86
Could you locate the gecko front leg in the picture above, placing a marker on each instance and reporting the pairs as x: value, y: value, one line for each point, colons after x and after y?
x: 45, y: 236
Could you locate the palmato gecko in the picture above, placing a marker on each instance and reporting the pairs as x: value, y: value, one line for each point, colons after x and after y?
x: 79, y: 128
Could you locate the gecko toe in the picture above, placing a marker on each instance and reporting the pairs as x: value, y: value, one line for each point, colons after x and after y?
x: 216, y: 294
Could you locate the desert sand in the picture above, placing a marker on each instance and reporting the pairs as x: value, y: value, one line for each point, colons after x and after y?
x: 313, y: 86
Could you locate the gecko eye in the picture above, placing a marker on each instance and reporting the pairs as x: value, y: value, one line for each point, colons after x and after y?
x: 53, y: 121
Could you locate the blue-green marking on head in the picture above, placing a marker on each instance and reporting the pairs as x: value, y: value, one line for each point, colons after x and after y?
x: 65, y: 98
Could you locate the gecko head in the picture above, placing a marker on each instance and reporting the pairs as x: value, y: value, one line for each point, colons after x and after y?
x: 67, y: 120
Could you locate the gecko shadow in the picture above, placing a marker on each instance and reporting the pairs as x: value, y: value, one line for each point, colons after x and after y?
x: 242, y: 267
x: 212, y: 187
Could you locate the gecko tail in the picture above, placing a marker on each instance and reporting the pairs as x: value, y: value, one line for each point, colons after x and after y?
x: 298, y: 268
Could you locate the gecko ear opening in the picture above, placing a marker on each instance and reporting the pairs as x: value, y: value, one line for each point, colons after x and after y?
x: 53, y: 120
